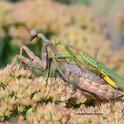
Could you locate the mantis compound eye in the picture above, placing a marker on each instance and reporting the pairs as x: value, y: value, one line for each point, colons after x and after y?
x: 33, y: 34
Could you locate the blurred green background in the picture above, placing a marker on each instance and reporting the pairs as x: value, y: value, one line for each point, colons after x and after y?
x: 89, y: 25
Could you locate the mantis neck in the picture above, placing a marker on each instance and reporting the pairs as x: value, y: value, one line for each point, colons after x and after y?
x: 49, y: 44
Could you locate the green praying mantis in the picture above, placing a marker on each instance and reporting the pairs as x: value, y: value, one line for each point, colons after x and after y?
x: 109, y: 75
x: 89, y: 83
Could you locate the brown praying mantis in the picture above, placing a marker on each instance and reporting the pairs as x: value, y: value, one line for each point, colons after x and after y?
x: 89, y: 83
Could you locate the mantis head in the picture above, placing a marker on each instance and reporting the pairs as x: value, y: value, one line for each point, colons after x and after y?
x: 33, y: 34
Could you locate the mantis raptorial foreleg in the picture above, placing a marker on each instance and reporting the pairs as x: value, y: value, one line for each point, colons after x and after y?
x: 33, y: 60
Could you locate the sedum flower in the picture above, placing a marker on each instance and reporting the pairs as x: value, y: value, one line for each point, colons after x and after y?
x: 49, y: 113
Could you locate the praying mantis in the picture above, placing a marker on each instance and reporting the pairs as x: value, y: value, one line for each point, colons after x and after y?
x: 89, y: 83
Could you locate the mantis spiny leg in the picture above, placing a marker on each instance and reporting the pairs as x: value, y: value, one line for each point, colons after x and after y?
x: 33, y: 60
